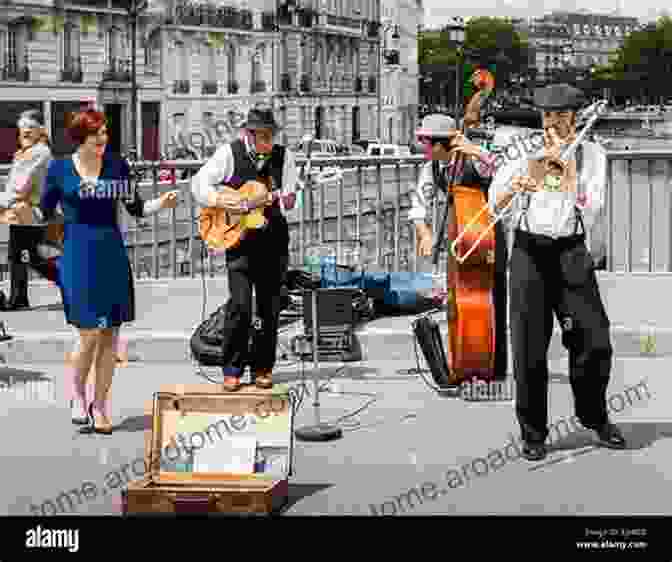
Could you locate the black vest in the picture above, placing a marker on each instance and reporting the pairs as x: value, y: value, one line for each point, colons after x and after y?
x: 244, y: 170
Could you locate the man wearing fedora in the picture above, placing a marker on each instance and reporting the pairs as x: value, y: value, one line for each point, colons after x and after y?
x: 261, y: 259
x: 552, y: 272
x: 443, y: 141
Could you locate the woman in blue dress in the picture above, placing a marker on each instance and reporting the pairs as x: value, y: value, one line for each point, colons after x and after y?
x: 95, y: 273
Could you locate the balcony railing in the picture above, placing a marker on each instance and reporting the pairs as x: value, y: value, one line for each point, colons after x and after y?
x: 209, y: 87
x: 232, y: 87
x: 342, y: 21
x: 257, y: 87
x: 211, y: 16
x: 286, y: 82
x: 14, y: 71
x: 305, y: 84
x: 72, y: 70
x: 181, y: 87
x: 118, y: 70
x: 372, y: 202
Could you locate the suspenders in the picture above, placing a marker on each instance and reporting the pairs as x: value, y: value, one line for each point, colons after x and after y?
x: 579, y: 189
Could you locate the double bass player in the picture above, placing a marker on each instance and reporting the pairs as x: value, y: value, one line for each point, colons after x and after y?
x: 446, y: 148
x: 552, y: 274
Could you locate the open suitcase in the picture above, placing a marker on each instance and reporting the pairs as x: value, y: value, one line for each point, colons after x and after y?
x: 206, y: 479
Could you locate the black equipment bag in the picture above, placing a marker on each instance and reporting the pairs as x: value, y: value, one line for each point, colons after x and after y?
x: 206, y: 342
x: 428, y: 337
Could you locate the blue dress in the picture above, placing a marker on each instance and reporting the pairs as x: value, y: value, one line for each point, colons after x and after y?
x: 95, y: 274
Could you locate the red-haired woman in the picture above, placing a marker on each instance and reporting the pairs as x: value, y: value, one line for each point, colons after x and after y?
x: 98, y: 291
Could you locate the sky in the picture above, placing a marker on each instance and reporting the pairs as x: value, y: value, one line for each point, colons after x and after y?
x: 439, y: 12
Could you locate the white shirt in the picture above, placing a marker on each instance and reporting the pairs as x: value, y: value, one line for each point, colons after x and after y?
x: 423, y: 197
x: 590, y: 199
x: 221, y: 167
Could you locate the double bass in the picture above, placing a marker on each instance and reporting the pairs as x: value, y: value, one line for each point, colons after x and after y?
x: 471, y: 280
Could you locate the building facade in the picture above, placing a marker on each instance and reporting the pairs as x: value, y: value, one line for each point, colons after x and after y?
x: 57, y: 59
x: 399, y: 71
x: 578, y: 41
x: 199, y: 67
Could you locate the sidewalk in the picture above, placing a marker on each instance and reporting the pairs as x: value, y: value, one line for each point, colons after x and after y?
x: 397, y: 435
x: 406, y: 436
x: 168, y: 311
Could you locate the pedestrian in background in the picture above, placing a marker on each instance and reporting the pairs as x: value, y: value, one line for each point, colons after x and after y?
x: 22, y: 193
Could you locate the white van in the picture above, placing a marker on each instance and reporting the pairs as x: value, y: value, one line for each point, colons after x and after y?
x: 388, y: 150
x: 319, y: 148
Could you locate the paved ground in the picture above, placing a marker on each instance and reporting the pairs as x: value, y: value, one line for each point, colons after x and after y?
x: 398, y: 433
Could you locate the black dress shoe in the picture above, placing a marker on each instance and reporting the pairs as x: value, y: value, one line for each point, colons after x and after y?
x: 534, y: 451
x: 610, y: 436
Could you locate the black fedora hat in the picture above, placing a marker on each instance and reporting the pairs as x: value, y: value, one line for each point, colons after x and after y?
x: 261, y: 117
x: 559, y: 97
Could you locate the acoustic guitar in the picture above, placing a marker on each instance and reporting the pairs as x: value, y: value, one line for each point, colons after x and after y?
x: 222, y: 229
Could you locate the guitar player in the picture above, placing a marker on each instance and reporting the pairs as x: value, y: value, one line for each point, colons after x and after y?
x: 261, y: 258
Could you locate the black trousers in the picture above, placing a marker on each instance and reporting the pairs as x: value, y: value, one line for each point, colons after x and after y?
x: 264, y: 267
x: 537, y: 292
x: 500, y: 298
x: 24, y: 242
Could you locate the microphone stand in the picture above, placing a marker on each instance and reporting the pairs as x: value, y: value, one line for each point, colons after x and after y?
x: 319, y: 431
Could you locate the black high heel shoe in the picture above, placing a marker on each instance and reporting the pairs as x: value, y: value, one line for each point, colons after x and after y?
x: 106, y: 429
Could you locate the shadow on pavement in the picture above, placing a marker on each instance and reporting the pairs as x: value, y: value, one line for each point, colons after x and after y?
x: 47, y: 307
x: 638, y: 436
x: 11, y: 376
x: 297, y: 492
x: 135, y: 423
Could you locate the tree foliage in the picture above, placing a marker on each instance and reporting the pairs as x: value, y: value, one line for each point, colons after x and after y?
x: 643, y: 63
x: 490, y: 42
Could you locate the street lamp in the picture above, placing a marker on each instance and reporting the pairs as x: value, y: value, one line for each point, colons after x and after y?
x: 134, y: 8
x: 382, y: 49
x: 456, y: 35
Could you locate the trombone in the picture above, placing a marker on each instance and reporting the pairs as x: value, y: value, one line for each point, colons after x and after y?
x: 589, y: 115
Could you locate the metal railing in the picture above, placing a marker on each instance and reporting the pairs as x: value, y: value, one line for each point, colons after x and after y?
x: 371, y: 204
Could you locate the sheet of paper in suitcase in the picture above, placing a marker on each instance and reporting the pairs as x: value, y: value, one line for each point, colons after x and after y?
x: 236, y: 455
x: 194, y: 432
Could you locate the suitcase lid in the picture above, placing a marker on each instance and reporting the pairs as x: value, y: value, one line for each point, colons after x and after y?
x: 202, y: 424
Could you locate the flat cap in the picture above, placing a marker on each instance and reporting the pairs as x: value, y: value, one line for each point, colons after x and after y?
x: 437, y: 125
x: 559, y: 97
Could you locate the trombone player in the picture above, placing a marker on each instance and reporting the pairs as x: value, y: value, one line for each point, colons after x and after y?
x: 552, y: 272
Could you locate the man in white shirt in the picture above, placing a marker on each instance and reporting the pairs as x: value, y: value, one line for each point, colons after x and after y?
x: 552, y: 273
x: 261, y: 259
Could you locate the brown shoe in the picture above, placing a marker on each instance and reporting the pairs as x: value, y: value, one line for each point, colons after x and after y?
x: 231, y: 383
x: 263, y: 379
